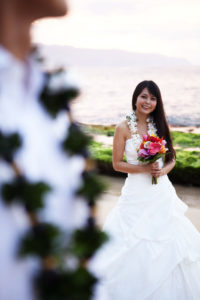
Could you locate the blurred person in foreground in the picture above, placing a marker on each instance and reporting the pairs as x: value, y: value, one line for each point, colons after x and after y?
x: 39, y: 158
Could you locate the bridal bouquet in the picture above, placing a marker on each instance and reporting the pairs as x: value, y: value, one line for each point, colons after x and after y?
x: 151, y: 149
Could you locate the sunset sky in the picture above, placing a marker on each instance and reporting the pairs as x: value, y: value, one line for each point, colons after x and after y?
x: 170, y: 27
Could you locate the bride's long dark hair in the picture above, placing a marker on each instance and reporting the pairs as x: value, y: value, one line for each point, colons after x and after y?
x: 158, y: 114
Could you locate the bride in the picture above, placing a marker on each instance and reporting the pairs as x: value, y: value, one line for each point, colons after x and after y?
x: 154, y: 251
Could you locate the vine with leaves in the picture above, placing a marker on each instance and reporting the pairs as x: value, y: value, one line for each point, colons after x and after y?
x: 54, y: 247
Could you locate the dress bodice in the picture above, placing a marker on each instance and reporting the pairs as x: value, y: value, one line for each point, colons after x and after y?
x: 133, y: 143
x: 131, y: 151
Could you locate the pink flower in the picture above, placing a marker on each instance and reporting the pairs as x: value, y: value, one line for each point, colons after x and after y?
x: 154, y: 148
x: 164, y: 142
x: 143, y: 153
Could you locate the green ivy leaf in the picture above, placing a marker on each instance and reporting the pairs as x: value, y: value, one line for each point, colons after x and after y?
x: 86, y: 241
x: 65, y: 285
x: 41, y: 240
x: 77, y: 141
x: 9, y: 144
x: 92, y: 186
x: 29, y: 194
x: 55, y: 101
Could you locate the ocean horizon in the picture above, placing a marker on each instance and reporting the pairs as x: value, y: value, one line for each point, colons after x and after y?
x: 108, y: 78
x: 107, y: 93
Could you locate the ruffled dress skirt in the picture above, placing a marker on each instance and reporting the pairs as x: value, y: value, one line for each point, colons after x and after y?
x: 154, y: 250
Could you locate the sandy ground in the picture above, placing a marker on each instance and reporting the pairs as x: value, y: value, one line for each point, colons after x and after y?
x: 188, y: 129
x: 190, y: 195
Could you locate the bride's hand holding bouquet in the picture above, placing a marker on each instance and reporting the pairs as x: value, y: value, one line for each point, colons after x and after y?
x: 151, y: 149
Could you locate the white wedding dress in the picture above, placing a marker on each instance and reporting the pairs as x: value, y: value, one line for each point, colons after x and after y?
x: 154, y: 250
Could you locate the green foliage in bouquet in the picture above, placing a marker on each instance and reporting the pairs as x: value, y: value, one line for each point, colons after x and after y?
x: 153, y: 159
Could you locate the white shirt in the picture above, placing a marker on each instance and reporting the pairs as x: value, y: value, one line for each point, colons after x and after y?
x: 41, y: 159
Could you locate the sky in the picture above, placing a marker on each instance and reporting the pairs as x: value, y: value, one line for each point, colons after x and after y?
x: 169, y: 27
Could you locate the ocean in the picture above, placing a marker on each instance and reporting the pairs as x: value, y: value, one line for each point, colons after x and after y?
x: 107, y: 93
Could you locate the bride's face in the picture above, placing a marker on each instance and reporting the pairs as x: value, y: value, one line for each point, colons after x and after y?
x: 146, y: 102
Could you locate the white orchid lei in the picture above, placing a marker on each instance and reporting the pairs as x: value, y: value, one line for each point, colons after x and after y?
x: 132, y: 123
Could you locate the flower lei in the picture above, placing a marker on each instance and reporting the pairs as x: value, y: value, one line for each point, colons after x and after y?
x: 132, y: 123
x: 53, y: 247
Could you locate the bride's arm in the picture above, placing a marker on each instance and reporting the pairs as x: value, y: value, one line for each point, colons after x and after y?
x: 118, y: 151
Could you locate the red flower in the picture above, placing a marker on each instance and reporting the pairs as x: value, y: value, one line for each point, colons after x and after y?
x: 142, y: 145
x: 146, y: 138
x: 154, y: 139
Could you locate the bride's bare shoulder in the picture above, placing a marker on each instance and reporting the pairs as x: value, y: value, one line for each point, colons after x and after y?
x: 122, y: 125
x: 122, y: 129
